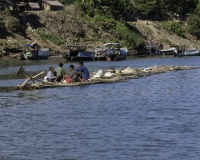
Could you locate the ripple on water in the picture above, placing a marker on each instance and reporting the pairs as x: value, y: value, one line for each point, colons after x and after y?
x: 153, y: 117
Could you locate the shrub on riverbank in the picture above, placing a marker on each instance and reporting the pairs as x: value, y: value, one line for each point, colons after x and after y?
x: 174, y: 27
x: 44, y: 35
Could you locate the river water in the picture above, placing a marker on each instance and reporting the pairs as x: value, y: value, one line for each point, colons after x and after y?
x: 150, y: 118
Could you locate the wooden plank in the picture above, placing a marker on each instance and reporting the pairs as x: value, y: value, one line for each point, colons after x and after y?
x: 20, y: 71
x: 38, y: 74
x: 31, y: 78
x: 27, y: 79
x: 43, y: 82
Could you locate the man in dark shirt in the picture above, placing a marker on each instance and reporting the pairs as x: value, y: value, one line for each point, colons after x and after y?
x: 84, y: 72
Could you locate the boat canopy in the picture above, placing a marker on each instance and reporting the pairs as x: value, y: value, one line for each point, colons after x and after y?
x: 149, y: 47
x: 30, y: 44
x: 117, y: 45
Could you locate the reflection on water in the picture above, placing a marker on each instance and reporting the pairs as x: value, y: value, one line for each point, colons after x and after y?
x: 154, y: 117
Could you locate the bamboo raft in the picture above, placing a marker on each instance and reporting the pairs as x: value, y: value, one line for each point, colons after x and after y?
x: 118, y: 76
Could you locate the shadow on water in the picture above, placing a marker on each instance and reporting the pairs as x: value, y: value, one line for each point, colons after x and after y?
x: 6, y: 89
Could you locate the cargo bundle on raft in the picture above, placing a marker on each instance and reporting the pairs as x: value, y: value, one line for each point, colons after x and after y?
x: 107, y: 76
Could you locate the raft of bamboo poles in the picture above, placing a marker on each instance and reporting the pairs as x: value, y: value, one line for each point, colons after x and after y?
x: 118, y: 76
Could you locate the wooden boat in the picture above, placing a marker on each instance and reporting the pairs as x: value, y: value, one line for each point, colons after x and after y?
x: 111, y: 51
x: 78, y: 53
x: 150, y: 50
x: 170, y: 51
x: 190, y: 52
x: 35, y: 53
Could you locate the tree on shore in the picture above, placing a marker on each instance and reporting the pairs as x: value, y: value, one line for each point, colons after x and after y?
x: 162, y: 7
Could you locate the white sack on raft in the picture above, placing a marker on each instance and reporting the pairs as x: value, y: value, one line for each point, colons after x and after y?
x: 109, y: 74
x: 45, y: 79
x: 99, y: 74
x: 127, y: 70
x: 64, y: 81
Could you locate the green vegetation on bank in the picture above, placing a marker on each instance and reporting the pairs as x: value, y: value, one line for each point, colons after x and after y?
x: 2, y: 27
x: 109, y: 17
x: 113, y: 19
x: 11, y: 23
x: 174, y: 27
x: 161, y: 8
x: 48, y: 36
x: 120, y: 30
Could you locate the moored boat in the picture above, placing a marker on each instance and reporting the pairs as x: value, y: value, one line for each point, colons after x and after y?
x: 190, y: 52
x: 35, y: 53
x: 78, y: 53
x: 109, y: 51
x: 170, y: 51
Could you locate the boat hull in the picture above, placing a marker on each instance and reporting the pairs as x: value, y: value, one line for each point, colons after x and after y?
x: 171, y: 51
x: 33, y: 58
x: 81, y: 56
x: 192, y: 52
x: 110, y: 58
x: 90, y: 56
x: 76, y: 58
x: 42, y: 53
x: 110, y: 54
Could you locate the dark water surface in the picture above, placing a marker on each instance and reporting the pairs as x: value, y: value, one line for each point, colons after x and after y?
x: 155, y: 117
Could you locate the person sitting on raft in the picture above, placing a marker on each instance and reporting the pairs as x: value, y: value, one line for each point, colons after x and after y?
x: 51, y: 75
x: 84, y: 72
x: 60, y: 72
x: 73, y: 74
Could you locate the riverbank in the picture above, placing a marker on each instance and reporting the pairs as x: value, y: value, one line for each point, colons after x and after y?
x: 8, y: 55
